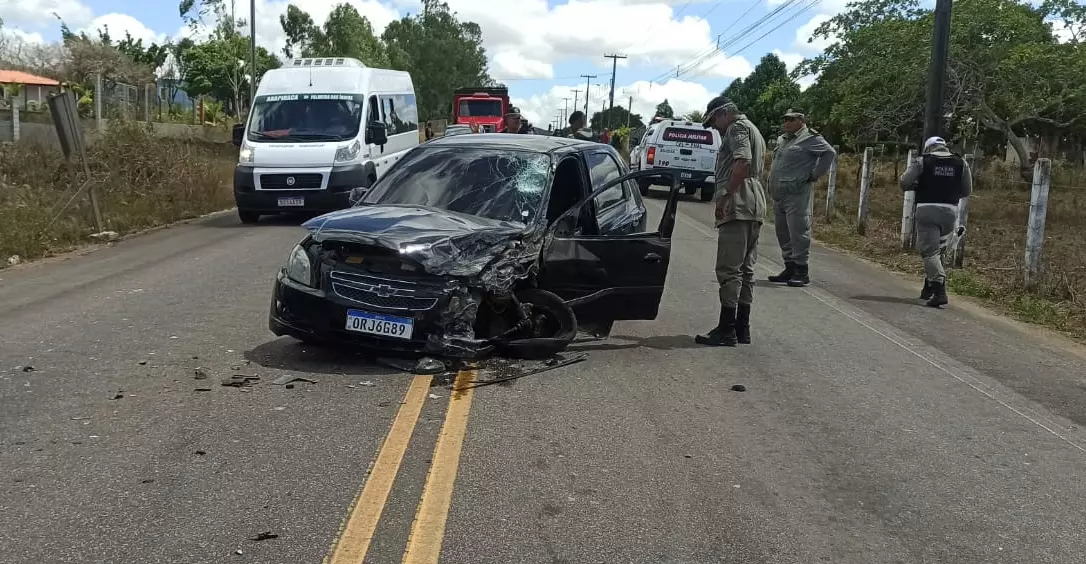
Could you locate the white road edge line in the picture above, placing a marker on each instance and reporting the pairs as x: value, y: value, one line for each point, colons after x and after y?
x: 905, y: 346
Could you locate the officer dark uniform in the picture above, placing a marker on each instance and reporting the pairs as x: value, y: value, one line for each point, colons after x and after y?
x: 941, y: 179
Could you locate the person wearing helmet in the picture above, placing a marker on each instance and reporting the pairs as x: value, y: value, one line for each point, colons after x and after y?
x: 940, y: 179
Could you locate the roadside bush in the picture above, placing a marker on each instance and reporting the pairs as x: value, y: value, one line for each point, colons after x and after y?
x: 995, y: 241
x: 142, y: 181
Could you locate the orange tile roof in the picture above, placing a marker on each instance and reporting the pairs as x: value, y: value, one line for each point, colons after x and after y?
x: 17, y: 77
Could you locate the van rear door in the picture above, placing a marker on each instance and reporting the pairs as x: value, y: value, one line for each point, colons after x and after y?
x: 692, y: 148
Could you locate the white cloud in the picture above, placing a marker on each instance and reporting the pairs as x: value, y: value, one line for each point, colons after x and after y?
x: 683, y: 96
x: 790, y: 60
x: 20, y: 36
x: 512, y: 64
x: 804, y: 40
x: 119, y: 24
x: 569, y: 31
x: 37, y: 14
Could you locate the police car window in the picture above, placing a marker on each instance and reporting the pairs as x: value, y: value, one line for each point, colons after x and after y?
x: 603, y: 168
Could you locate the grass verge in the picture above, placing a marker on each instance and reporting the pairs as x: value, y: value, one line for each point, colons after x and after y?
x: 994, y: 243
x: 142, y: 181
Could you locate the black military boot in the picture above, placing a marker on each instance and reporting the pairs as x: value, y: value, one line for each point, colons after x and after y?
x: 786, y: 274
x: 938, y: 294
x: 925, y: 292
x: 742, y: 324
x: 723, y: 335
x: 801, y: 277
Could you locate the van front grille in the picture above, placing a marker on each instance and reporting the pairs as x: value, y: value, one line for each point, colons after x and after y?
x: 280, y: 181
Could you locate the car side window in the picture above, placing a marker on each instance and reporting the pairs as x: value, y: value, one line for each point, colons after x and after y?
x: 603, y: 168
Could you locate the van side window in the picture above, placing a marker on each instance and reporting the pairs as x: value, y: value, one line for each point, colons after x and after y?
x: 401, y: 113
x: 373, y: 112
x: 603, y: 168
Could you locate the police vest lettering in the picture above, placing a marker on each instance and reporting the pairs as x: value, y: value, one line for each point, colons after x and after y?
x: 941, y: 180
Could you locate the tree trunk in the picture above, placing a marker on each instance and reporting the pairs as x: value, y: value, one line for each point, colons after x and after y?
x: 994, y: 122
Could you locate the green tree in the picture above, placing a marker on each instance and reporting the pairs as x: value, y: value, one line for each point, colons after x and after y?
x: 765, y: 94
x: 441, y: 53
x: 615, y: 117
x: 663, y: 109
x: 213, y: 69
x: 1007, y: 72
x: 696, y: 116
x: 346, y: 33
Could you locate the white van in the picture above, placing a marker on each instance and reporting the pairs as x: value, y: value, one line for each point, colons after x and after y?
x: 682, y: 144
x: 306, y: 145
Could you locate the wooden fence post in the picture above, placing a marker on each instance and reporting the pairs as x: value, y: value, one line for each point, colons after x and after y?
x: 15, y: 127
x: 831, y: 184
x: 1038, y: 210
x: 865, y: 186
x: 963, y: 219
x: 908, y: 211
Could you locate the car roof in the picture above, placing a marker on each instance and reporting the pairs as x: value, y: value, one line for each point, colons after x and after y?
x: 518, y: 141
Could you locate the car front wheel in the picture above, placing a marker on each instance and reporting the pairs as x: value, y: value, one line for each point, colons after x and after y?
x: 707, y: 191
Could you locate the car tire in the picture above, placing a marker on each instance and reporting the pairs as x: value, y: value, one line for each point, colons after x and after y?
x: 562, y: 332
x: 707, y: 191
x: 248, y: 216
x: 690, y: 189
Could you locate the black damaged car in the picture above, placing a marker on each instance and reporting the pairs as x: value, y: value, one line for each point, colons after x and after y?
x: 473, y: 244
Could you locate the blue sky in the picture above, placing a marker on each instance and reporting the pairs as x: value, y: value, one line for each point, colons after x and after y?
x: 538, y: 47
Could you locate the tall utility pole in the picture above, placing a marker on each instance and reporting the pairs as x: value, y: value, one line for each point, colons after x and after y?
x: 576, y: 97
x: 629, y: 111
x: 565, y: 107
x: 252, y: 53
x: 940, y: 46
x: 614, y: 69
x: 587, y: 89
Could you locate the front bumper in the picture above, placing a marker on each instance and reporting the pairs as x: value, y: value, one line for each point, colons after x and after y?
x: 334, y: 196
x: 315, y: 314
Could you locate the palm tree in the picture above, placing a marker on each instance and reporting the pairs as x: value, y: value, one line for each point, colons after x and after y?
x: 695, y: 116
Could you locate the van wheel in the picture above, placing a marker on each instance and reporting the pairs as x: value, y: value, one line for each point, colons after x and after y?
x: 643, y: 185
x: 707, y: 192
x: 248, y: 216
x: 554, y: 326
x: 690, y: 189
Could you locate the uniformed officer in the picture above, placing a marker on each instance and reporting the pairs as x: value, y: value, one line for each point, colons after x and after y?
x: 941, y: 179
x: 802, y: 157
x: 740, y: 211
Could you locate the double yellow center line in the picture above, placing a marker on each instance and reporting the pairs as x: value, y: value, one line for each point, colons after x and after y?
x: 428, y: 529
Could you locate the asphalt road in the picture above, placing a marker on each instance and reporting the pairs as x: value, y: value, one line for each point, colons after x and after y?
x: 872, y: 429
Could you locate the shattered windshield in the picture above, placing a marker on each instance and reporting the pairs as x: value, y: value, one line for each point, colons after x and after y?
x: 306, y: 117
x: 500, y: 184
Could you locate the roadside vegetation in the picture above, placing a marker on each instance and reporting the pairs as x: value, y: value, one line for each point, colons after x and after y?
x: 142, y: 181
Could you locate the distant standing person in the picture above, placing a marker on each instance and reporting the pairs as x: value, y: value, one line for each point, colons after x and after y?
x: 740, y: 210
x: 802, y: 157
x: 941, y: 179
x: 578, y: 126
x: 429, y: 131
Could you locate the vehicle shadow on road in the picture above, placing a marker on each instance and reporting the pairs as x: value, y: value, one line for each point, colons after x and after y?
x: 887, y: 299
x: 231, y: 221
x: 286, y: 353
x: 657, y: 342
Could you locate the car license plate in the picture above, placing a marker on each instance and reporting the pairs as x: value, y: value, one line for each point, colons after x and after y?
x: 291, y: 202
x: 685, y: 175
x: 377, y: 324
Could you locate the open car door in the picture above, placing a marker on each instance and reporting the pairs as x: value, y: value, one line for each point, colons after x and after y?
x: 605, y: 278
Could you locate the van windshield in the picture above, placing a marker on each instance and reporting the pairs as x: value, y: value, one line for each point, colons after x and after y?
x: 480, y: 108
x: 306, y: 117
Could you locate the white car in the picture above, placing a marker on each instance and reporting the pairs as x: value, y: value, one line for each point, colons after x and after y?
x: 681, y: 144
x: 457, y: 129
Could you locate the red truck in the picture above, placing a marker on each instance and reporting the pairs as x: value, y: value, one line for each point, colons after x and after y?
x: 484, y: 106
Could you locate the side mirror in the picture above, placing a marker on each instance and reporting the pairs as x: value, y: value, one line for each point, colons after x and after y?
x: 369, y: 175
x: 376, y: 134
x: 356, y: 195
x: 566, y: 226
x: 238, y: 133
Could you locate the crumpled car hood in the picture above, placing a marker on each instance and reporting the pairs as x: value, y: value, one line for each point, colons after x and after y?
x: 444, y: 243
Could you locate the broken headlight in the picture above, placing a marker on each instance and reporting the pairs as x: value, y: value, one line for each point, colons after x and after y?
x: 299, y: 267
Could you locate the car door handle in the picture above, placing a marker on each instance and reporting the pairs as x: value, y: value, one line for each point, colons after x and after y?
x: 652, y: 257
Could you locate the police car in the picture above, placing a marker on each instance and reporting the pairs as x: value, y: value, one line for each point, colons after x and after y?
x: 681, y: 144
